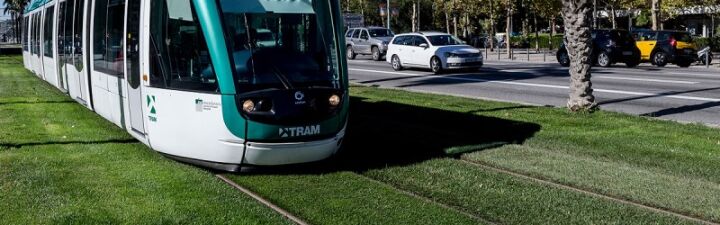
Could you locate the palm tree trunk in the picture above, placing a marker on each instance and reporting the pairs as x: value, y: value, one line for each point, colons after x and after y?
x: 577, y: 15
x: 508, y: 30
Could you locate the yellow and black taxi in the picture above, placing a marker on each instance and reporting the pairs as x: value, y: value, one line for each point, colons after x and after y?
x: 664, y: 47
x: 609, y: 47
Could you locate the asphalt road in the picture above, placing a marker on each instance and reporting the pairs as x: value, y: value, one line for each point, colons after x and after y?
x: 680, y: 94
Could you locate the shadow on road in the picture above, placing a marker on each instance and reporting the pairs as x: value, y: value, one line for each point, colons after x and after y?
x: 668, y: 93
x: 682, y: 109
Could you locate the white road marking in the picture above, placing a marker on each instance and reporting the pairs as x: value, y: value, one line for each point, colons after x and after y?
x: 632, y: 93
x: 643, y: 79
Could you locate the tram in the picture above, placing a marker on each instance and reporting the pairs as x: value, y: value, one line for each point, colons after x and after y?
x: 215, y: 83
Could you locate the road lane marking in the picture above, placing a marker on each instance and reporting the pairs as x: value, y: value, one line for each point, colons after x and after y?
x: 647, y: 80
x: 549, y: 86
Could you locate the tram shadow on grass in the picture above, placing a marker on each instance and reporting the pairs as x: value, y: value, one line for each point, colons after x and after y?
x: 386, y: 134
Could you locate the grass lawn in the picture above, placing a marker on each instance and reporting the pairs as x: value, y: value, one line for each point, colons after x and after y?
x: 406, y: 160
x: 62, y: 164
x: 659, y: 163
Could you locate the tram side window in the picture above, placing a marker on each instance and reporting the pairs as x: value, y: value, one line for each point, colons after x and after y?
x: 32, y: 35
x: 62, y: 14
x: 179, y: 54
x: 108, y: 36
x: 78, y: 35
x: 48, y: 31
x: 37, y: 33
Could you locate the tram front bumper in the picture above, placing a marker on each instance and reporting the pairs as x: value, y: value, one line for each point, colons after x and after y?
x: 269, y: 154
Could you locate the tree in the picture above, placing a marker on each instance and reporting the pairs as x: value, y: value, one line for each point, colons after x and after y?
x: 509, y: 6
x: 577, y: 15
x: 656, y: 15
x: 548, y: 10
x: 15, y: 8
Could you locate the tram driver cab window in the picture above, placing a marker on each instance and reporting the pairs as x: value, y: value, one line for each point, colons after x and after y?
x: 179, y: 54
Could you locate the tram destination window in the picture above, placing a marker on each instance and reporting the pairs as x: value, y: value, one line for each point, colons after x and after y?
x: 108, y: 36
x: 179, y: 54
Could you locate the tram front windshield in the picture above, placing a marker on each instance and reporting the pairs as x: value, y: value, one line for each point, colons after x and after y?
x: 285, y: 47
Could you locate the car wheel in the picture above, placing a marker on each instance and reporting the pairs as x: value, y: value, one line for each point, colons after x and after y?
x: 660, y: 59
x: 603, y: 59
x: 350, y: 53
x: 396, y: 65
x: 376, y: 54
x: 563, y: 58
x: 436, y: 65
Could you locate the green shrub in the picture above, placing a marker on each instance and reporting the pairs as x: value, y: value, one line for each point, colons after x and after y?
x: 713, y: 42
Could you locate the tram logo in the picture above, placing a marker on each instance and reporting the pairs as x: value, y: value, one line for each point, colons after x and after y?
x: 299, y: 95
x: 300, y: 98
x: 299, y: 131
x: 151, y: 105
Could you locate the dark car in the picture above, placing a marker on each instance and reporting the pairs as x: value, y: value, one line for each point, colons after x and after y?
x: 609, y: 47
x: 663, y: 47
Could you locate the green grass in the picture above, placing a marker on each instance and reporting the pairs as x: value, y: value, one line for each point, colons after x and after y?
x: 660, y: 163
x: 692, y: 196
x: 347, y: 198
x: 510, y: 200
x: 115, y: 184
x: 47, y: 123
x: 19, y: 86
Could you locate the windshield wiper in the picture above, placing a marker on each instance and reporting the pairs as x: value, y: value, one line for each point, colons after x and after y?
x: 283, y: 79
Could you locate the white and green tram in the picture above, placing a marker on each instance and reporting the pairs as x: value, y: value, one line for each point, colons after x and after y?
x: 217, y: 83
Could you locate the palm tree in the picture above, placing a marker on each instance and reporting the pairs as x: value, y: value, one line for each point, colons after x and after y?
x: 15, y: 8
x: 577, y: 15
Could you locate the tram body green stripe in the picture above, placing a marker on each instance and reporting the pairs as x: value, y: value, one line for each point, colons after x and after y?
x: 209, y: 18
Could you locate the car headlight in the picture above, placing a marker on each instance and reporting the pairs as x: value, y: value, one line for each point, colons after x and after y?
x: 450, y: 55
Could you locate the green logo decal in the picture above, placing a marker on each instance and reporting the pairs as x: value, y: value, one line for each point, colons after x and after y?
x: 151, y: 105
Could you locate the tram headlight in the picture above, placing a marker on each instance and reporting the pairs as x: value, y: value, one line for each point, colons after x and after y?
x: 248, y: 106
x: 334, y: 100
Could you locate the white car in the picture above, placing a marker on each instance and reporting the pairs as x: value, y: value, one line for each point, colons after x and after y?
x: 435, y: 51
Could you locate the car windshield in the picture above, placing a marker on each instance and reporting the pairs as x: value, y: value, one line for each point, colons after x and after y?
x: 280, y: 50
x: 381, y: 33
x: 444, y: 40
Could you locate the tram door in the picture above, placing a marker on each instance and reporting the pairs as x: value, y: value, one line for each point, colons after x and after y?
x: 64, y: 55
x: 132, y: 40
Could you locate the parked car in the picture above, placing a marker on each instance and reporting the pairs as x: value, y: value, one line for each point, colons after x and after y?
x: 663, y: 47
x: 609, y: 47
x: 368, y: 41
x: 432, y: 50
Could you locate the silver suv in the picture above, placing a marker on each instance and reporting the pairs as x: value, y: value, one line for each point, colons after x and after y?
x: 368, y: 41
